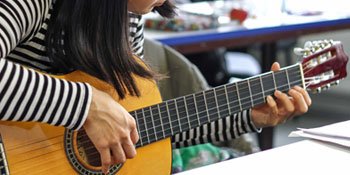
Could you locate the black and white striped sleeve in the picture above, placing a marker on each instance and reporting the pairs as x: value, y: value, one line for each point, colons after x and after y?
x: 224, y: 129
x: 136, y: 38
x: 20, y: 21
x: 26, y: 95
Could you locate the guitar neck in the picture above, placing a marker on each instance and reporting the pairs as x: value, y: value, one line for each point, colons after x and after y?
x: 181, y: 114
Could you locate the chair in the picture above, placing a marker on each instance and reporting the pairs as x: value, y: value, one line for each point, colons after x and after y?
x: 185, y: 78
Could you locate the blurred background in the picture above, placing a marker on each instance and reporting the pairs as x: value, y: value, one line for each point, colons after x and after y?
x: 328, y: 107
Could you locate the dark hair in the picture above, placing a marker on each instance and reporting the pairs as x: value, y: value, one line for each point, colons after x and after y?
x: 92, y: 36
x: 166, y: 10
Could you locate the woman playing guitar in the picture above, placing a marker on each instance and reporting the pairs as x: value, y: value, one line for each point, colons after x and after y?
x: 101, y: 38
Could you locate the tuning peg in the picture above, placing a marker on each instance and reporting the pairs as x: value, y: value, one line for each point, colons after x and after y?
x: 303, y: 52
x: 317, y: 90
x: 335, y: 83
x: 308, y: 44
x: 326, y: 87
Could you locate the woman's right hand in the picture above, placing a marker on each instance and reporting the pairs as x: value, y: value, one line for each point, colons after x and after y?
x: 111, y: 129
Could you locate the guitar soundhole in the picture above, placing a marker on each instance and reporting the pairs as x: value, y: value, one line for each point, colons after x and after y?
x: 87, y: 150
x: 83, y: 155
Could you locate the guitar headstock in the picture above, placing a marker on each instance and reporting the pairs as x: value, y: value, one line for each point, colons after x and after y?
x: 324, y: 64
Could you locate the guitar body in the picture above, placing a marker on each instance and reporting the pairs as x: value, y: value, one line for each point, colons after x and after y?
x: 35, y: 148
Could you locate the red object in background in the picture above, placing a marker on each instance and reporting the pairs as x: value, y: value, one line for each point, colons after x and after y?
x: 238, y: 14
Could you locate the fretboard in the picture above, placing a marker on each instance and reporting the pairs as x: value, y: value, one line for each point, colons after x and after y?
x: 181, y: 114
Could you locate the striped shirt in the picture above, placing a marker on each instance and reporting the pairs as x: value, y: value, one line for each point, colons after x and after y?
x: 26, y: 95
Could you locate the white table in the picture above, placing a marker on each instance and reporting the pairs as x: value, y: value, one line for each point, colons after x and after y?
x: 304, y: 157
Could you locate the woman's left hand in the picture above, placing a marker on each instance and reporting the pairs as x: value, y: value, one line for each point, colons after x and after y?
x: 283, y: 107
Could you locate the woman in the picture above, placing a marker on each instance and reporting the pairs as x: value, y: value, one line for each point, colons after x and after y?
x: 95, y: 36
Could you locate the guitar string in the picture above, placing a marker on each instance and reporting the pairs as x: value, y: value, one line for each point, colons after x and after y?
x: 86, y: 135
x: 220, y: 89
x: 190, y: 116
x: 306, y: 65
x: 232, y: 92
x: 213, y: 108
x: 216, y: 107
x: 232, y: 102
x: 151, y: 128
x: 91, y: 147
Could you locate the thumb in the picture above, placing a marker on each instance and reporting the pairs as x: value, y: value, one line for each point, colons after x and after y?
x: 275, y: 66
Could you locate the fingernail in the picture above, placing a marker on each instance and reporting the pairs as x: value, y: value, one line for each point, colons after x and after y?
x: 269, y: 98
x: 278, y: 92
x: 298, y: 87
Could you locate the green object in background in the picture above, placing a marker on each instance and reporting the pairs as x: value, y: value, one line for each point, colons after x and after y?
x: 199, y: 155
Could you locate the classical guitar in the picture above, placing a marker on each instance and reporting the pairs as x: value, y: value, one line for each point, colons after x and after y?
x: 36, y: 148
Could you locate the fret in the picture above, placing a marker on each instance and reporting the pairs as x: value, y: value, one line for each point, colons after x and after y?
x: 295, y: 76
x: 142, y: 127
x: 183, y: 118
x: 286, y: 71
x: 233, y: 98
x: 197, y: 112
x: 222, y: 101
x: 170, y: 122
x: 239, y: 99
x: 227, y: 100
x: 268, y: 84
x: 274, y: 80
x: 257, y: 92
x: 206, y: 106
x: 192, y: 111
x: 149, y: 125
x: 192, y: 116
x: 156, y: 122
x: 250, y: 92
x: 187, y: 113
x: 244, y: 94
x: 161, y: 120
x: 154, y: 126
x: 174, y: 120
x: 201, y: 108
x: 166, y: 119
x: 177, y: 115
x: 216, y: 103
x: 138, y: 127
x: 262, y: 88
x: 211, y: 105
x: 281, y: 81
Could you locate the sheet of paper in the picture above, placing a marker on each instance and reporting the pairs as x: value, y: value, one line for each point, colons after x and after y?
x: 338, y: 133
